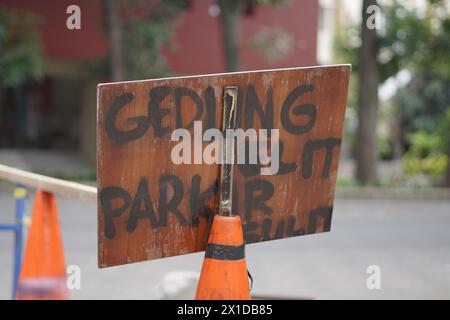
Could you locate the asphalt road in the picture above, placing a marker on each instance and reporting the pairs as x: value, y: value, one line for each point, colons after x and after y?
x: 408, y: 239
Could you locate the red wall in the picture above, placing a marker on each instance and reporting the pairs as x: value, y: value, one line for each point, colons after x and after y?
x: 197, y: 34
x: 199, y: 41
x: 58, y: 41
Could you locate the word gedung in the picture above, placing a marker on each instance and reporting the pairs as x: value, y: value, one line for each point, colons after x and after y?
x: 212, y: 154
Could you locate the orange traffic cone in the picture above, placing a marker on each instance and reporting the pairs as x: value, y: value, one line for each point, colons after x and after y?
x: 43, y: 273
x: 224, y: 271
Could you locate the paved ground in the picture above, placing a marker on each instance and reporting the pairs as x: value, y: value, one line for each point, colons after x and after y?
x: 409, y: 240
x: 51, y: 162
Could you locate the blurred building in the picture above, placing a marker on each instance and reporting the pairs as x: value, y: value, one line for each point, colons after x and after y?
x: 334, y: 16
x: 59, y: 111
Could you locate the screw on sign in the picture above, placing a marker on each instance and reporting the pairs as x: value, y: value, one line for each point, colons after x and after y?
x: 150, y: 207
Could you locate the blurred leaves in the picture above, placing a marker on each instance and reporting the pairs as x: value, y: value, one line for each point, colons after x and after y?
x: 148, y: 27
x: 404, y: 41
x: 410, y: 39
x: 444, y: 131
x: 20, y: 47
x: 433, y: 165
x: 145, y: 28
x: 423, y: 144
x: 417, y: 41
x: 425, y: 154
x: 429, y: 152
x: 142, y: 44
x: 423, y: 101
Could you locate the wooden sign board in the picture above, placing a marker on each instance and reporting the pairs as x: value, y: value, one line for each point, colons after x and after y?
x: 150, y: 208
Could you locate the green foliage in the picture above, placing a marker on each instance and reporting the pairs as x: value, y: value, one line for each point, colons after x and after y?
x: 20, y: 48
x: 423, y: 102
x: 436, y: 57
x: 423, y: 144
x: 433, y: 165
x: 426, y: 98
x: 150, y: 30
x: 415, y: 41
x: 409, y: 40
x: 384, y: 147
x: 142, y: 48
x: 429, y: 153
x: 444, y: 131
x: 147, y: 27
x: 404, y: 43
x: 425, y: 155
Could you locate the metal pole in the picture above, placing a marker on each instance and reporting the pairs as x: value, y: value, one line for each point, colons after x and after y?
x: 20, y: 194
x: 226, y: 170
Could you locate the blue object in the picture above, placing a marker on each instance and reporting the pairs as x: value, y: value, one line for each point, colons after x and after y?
x: 20, y: 194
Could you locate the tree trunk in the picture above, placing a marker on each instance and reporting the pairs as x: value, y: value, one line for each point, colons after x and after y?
x: 230, y: 12
x: 114, y: 30
x: 367, y: 152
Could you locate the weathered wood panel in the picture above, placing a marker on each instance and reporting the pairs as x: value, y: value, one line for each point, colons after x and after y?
x: 150, y: 208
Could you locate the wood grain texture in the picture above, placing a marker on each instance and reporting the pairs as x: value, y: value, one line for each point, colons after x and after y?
x: 150, y: 208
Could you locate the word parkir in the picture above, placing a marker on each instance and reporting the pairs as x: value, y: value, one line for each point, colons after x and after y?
x: 157, y: 212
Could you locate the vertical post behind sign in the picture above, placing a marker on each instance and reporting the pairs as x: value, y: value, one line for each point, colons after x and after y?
x: 224, y: 270
x: 226, y: 169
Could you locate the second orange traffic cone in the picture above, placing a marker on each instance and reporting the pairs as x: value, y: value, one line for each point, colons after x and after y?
x: 43, y: 272
x: 224, y: 270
